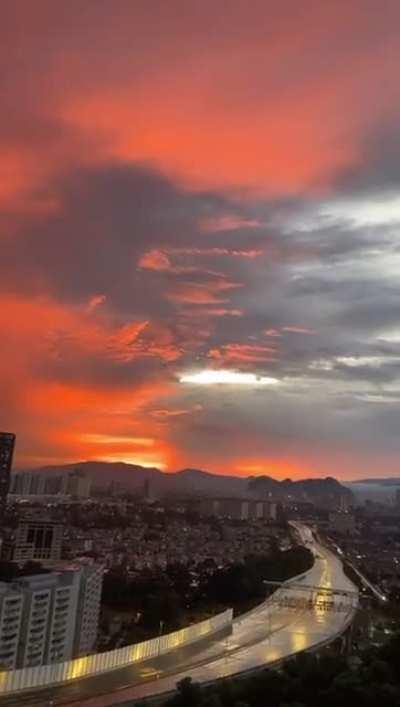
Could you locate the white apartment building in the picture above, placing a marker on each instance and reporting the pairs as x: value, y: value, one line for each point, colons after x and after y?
x: 50, y: 617
x: 11, y: 607
x: 88, y: 608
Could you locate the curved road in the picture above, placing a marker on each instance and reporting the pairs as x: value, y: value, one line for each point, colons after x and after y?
x: 297, y: 617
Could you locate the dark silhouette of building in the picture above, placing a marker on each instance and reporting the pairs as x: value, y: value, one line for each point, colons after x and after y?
x: 78, y: 484
x: 36, y: 538
x: 240, y: 509
x: 7, y: 443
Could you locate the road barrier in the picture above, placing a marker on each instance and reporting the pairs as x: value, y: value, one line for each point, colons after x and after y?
x: 47, y: 675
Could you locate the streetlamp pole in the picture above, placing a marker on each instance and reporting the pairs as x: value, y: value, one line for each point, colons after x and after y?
x: 159, y: 644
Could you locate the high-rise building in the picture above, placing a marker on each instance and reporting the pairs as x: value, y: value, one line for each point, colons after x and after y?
x: 35, y: 539
x: 20, y: 484
x: 49, y: 617
x: 7, y: 443
x: 88, y: 608
x: 239, y: 509
x: 75, y: 484
x: 342, y: 523
x: 78, y: 484
x: 55, y: 485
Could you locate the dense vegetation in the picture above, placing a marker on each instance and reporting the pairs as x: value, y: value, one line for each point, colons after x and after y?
x: 307, y: 681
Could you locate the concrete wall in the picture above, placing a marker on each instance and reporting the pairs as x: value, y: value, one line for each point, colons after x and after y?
x: 43, y: 675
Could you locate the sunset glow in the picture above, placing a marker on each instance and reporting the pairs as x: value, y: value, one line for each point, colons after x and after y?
x: 199, y: 219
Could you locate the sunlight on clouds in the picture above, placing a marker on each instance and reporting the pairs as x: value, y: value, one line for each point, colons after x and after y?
x: 375, y: 361
x: 136, y: 460
x: 118, y: 439
x: 366, y: 212
x: 213, y: 377
x: 323, y: 364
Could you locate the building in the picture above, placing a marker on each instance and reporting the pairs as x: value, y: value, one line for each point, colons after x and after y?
x: 36, y: 539
x: 49, y: 617
x: 239, y: 509
x: 342, y: 523
x: 7, y: 444
x: 75, y: 484
x: 78, y: 484
x: 345, y: 503
x: 88, y: 608
x: 27, y: 483
x: 148, y: 495
x: 55, y: 485
x: 20, y: 484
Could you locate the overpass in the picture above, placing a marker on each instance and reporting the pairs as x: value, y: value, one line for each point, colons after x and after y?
x: 297, y: 617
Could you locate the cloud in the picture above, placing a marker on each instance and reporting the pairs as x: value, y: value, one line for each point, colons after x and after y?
x: 212, y: 292
x: 237, y: 353
x: 155, y: 260
x: 377, y: 170
x: 226, y: 377
x: 165, y: 209
x: 229, y: 222
x: 95, y: 301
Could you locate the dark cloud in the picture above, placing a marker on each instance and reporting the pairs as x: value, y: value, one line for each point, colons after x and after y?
x: 378, y: 168
x: 107, y: 218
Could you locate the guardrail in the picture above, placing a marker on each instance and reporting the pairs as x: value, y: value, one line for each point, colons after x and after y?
x: 243, y: 674
x: 88, y: 666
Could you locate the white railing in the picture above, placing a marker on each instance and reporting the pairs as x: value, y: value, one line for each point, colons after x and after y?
x: 44, y: 675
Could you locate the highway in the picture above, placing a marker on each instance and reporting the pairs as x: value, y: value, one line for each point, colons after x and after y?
x: 298, y: 616
x: 376, y: 591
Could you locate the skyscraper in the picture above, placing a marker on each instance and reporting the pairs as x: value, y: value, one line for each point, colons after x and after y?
x: 49, y: 617
x: 37, y: 539
x: 7, y: 442
x: 78, y: 484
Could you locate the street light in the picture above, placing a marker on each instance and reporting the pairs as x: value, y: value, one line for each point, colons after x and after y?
x: 159, y: 644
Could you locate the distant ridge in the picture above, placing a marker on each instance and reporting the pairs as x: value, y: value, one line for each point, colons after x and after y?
x: 196, y: 482
x: 387, y: 481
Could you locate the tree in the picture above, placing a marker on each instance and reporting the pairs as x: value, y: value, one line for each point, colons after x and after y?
x: 188, y: 693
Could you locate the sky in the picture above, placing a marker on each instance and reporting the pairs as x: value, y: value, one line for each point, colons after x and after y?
x: 199, y: 218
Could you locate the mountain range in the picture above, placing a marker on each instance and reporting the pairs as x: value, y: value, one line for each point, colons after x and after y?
x: 387, y: 481
x: 195, y: 482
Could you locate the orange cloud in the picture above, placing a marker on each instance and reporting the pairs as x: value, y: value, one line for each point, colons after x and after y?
x: 278, y: 105
x: 52, y: 411
x: 95, y: 301
x: 222, y: 312
x: 207, y: 293
x: 228, y: 222
x: 160, y: 260
x: 218, y: 252
x: 166, y: 413
x: 292, y: 153
x: 277, y: 332
x: 155, y: 260
x: 279, y: 101
x: 243, y: 353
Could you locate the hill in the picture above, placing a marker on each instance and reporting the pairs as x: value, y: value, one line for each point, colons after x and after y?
x: 305, y: 489
x: 389, y: 481
x: 195, y: 482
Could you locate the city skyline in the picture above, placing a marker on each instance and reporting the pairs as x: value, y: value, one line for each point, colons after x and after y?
x: 199, y: 209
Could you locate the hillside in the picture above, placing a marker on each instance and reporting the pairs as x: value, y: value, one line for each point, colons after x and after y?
x: 304, y: 489
x: 389, y: 481
x: 195, y: 482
